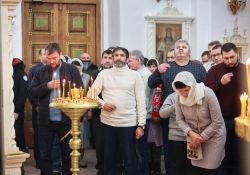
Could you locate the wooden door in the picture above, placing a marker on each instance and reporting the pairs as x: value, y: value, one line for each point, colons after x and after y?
x: 73, y: 24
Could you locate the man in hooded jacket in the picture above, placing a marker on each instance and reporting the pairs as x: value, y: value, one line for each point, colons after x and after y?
x: 20, y: 94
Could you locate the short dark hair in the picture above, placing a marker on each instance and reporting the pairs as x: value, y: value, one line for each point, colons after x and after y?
x: 179, y: 85
x: 108, y: 52
x: 145, y: 61
x: 171, y: 50
x: 205, y: 53
x: 151, y: 62
x: 40, y: 51
x: 227, y: 47
x: 52, y: 48
x: 218, y: 46
x: 212, y: 43
x: 76, y: 63
x: 122, y: 49
x: 111, y: 48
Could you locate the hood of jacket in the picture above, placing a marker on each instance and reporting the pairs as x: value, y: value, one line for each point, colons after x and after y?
x: 18, y: 64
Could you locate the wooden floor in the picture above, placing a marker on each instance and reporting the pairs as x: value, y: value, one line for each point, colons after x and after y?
x: 89, y: 159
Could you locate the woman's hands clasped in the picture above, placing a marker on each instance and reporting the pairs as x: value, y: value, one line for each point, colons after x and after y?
x: 196, y: 140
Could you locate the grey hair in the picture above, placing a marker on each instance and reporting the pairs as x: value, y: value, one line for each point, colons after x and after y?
x: 213, y: 43
x: 138, y: 55
x: 181, y: 41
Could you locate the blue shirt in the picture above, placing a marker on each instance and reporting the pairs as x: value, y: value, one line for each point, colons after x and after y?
x: 55, y: 114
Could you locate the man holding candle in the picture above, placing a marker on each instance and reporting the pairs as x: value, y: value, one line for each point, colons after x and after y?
x: 123, y: 112
x: 136, y: 62
x: 228, y: 81
x: 51, y: 120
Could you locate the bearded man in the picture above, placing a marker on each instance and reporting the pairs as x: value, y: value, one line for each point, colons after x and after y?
x: 123, y: 113
x: 52, y: 121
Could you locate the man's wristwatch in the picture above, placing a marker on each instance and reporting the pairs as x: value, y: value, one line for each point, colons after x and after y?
x: 142, y: 126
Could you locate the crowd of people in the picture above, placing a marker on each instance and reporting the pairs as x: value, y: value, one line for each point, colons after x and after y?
x: 147, y: 109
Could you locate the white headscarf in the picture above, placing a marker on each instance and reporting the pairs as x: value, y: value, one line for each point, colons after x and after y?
x: 196, y: 92
x: 79, y: 61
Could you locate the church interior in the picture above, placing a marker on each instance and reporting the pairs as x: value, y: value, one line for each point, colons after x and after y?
x: 93, y: 26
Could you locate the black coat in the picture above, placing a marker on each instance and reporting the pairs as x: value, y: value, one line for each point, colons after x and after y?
x: 38, y: 89
x: 20, y: 88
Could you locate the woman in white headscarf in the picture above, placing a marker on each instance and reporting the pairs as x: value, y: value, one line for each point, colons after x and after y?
x: 194, y: 99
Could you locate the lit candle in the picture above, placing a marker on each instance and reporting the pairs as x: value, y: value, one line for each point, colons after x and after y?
x: 59, y: 93
x: 63, y: 88
x: 243, y: 99
x: 54, y: 85
x: 69, y: 94
x: 74, y: 85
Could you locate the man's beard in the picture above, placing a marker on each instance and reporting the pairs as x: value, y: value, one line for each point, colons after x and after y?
x: 107, y: 66
x: 54, y: 68
x: 119, y: 64
x: 86, y: 64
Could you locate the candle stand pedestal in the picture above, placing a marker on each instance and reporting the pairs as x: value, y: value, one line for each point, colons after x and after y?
x: 75, y: 109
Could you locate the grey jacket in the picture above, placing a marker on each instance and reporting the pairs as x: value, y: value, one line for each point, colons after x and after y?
x: 168, y: 110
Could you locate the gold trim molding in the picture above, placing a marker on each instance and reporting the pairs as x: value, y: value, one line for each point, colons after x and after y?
x: 67, y: 23
x: 75, y: 43
x: 31, y: 22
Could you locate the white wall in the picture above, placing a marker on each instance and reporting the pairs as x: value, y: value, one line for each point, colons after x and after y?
x: 17, y: 33
x: 123, y: 23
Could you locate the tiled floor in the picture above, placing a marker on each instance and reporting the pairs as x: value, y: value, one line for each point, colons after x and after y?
x: 89, y: 159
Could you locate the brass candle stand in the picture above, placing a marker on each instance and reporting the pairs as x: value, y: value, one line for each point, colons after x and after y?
x: 75, y: 108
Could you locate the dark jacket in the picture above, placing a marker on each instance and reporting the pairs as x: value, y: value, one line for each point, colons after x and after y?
x: 96, y: 112
x: 20, y: 87
x: 31, y: 74
x: 91, y: 69
x: 38, y: 89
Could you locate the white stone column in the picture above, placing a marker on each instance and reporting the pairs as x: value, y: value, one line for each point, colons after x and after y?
x: 11, y: 157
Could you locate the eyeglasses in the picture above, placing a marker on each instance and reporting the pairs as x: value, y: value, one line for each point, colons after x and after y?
x: 216, y: 55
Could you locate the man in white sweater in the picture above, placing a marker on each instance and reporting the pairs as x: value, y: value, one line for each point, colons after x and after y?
x: 123, y: 113
x: 136, y: 62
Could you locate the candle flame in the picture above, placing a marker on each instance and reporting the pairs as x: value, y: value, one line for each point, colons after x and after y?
x: 244, y: 96
x: 63, y: 80
x: 248, y: 61
x: 92, y: 78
